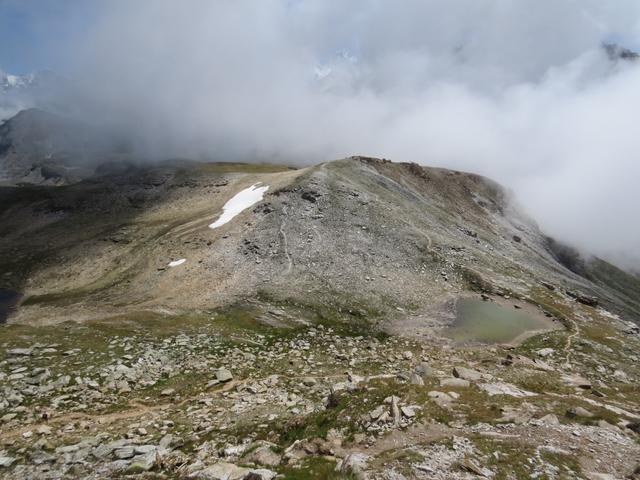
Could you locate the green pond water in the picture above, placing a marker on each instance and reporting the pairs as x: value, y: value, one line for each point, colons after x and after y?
x: 487, y: 322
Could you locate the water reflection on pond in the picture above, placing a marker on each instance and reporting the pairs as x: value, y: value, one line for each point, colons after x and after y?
x: 488, y: 322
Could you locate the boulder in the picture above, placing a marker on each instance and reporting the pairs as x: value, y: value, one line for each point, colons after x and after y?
x: 580, y: 412
x: 223, y: 375
x: 264, y: 455
x: 377, y: 412
x: 470, y: 375
x: 454, y: 382
x: 221, y: 471
x: 309, y: 381
x: 526, y: 362
x: 170, y: 441
x: 395, y: 410
x: 424, y: 370
x: 261, y: 474
x: 549, y: 419
x: 19, y: 352
x: 124, y: 453
x: 354, y: 464
x: 584, y: 299
x: 441, y: 399
x: 545, y: 352
x: 409, y: 411
x: 415, y: 379
x: 576, y: 381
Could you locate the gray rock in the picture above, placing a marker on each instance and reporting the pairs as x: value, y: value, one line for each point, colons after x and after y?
x: 6, y: 462
x: 424, y: 370
x: 354, y: 464
x: 143, y: 462
x: 526, y: 362
x: 93, y: 384
x: 120, y: 466
x: 223, y: 375
x: 144, y: 449
x: 170, y: 442
x: 377, y: 412
x: 549, y: 419
x: 19, y: 352
x: 454, y: 382
x: 68, y: 449
x: 470, y: 466
x: 309, y: 381
x: 80, y: 456
x: 221, y: 471
x: 415, y: 379
x: 621, y: 376
x: 545, y: 352
x: 576, y: 381
x: 261, y: 474
x: 62, y: 382
x: 14, y: 398
x: 441, y: 399
x: 580, y: 412
x: 502, y: 388
x: 123, y: 386
x: 264, y: 455
x: 469, y: 374
x: 124, y: 453
x: 408, y: 412
x: 38, y: 457
x: 103, y: 451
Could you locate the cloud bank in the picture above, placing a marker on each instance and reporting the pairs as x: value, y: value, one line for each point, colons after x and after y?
x: 519, y: 91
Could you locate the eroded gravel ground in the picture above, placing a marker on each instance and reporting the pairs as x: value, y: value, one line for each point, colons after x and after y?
x: 221, y: 395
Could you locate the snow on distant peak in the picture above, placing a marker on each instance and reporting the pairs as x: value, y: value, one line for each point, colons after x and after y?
x: 41, y: 89
x: 9, y: 81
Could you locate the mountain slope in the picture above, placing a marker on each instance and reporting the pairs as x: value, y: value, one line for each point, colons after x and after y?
x: 314, y: 335
x: 362, y: 235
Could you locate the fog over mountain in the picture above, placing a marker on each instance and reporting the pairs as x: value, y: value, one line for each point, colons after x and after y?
x: 522, y: 92
x: 319, y: 239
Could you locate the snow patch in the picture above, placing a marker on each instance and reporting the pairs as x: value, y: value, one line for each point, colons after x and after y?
x: 240, y: 201
x: 175, y: 263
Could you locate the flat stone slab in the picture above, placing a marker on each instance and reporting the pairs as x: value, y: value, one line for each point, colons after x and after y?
x: 502, y: 388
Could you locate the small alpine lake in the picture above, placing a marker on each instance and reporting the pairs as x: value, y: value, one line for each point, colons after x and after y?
x: 486, y: 322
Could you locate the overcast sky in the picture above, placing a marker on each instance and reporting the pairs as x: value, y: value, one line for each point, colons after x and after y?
x: 518, y: 90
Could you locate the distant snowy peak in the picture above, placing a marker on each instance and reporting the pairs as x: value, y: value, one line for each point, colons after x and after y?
x: 39, y: 79
x: 8, y: 81
x: 41, y: 89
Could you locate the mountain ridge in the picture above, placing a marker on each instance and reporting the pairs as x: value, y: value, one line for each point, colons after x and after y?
x: 395, y: 230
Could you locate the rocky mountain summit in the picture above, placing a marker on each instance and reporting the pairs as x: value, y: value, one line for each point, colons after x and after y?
x: 316, y: 332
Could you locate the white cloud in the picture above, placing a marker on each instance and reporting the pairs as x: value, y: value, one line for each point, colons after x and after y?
x: 520, y: 91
